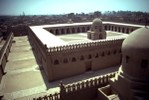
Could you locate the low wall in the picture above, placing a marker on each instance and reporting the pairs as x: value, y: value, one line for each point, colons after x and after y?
x: 84, y: 90
x: 4, y: 53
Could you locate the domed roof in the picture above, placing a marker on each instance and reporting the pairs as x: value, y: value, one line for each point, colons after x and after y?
x: 137, y: 42
x: 135, y: 54
x: 97, y: 21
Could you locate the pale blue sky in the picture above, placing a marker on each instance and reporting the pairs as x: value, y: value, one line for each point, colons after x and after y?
x: 17, y: 7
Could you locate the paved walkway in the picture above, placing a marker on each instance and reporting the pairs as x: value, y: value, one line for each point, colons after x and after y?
x: 22, y: 76
x: 24, y: 79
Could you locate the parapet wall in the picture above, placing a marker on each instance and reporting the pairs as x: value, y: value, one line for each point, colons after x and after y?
x: 4, y: 53
x: 83, y: 90
x: 101, y: 43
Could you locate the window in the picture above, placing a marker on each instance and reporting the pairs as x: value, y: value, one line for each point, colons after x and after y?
x: 68, y: 31
x: 144, y: 64
x: 62, y: 31
x: 57, y: 32
x: 82, y: 58
x: 109, y: 53
x: 114, y: 52
x: 56, y: 62
x: 127, y: 59
x: 103, y: 54
x: 73, y: 59
x: 105, y: 27
x: 73, y: 30
x: 120, y: 51
x: 89, y: 56
x: 96, y: 56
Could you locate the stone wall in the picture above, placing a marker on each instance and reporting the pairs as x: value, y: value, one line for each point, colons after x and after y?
x: 4, y: 53
x: 71, y: 60
x: 83, y: 90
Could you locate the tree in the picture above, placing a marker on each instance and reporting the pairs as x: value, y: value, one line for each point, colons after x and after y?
x: 97, y: 14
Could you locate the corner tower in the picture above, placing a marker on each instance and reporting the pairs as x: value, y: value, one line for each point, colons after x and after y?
x: 97, y: 30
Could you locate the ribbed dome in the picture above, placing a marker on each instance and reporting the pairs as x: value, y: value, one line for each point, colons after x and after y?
x: 97, y: 22
x: 135, y: 51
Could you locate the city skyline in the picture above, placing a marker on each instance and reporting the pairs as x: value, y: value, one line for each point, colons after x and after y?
x: 46, y: 7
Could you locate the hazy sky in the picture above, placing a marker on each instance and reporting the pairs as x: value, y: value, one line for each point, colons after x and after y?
x: 17, y: 7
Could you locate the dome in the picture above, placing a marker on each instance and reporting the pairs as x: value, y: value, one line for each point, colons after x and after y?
x: 97, y: 22
x: 135, y: 52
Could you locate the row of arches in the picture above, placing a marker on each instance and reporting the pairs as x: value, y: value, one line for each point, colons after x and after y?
x: 69, y: 30
x: 86, y: 57
x: 118, y: 28
x: 85, y: 28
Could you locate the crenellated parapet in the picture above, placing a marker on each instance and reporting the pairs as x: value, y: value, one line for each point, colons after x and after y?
x: 89, y: 83
x: 94, y: 44
x: 77, y: 88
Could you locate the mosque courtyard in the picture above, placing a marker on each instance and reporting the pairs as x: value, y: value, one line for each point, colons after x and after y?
x: 82, y: 37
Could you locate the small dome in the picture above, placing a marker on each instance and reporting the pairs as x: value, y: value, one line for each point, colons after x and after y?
x: 97, y: 22
x: 135, y: 51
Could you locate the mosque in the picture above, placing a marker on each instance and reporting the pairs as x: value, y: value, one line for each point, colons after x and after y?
x: 76, y: 53
x: 67, y: 50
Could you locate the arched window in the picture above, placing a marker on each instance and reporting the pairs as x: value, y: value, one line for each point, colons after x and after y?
x: 62, y: 31
x: 127, y: 59
x: 89, y: 56
x: 112, y: 28
x: 68, y: 31
x: 73, y: 59
x: 119, y: 29
x: 109, y: 27
x: 78, y: 30
x: 115, y: 28
x: 96, y: 56
x: 132, y: 29
x: 127, y: 30
x: 114, y: 52
x: 103, y: 54
x: 73, y: 30
x: 144, y: 63
x: 123, y: 30
x: 105, y: 27
x: 57, y: 32
x: 56, y: 62
x: 51, y: 31
x: 120, y: 51
x: 88, y: 28
x: 82, y: 58
x: 109, y: 52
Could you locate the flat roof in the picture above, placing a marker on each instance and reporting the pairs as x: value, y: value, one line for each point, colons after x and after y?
x: 51, y: 40
x: 85, y: 23
x: 47, y: 38
x: 82, y: 37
